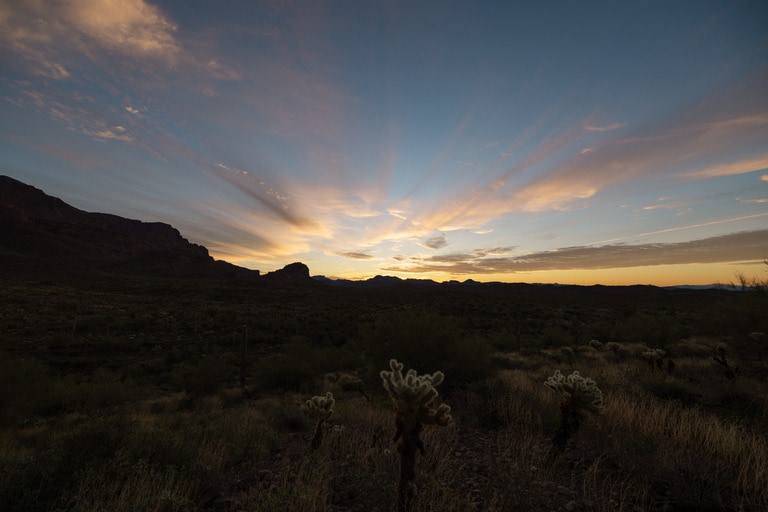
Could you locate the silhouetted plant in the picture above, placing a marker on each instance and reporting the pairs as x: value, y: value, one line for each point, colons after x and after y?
x: 580, y: 395
x: 721, y: 357
x: 321, y: 408
x: 654, y: 357
x: 414, y: 398
x: 670, y: 366
x: 243, y: 358
x: 425, y: 339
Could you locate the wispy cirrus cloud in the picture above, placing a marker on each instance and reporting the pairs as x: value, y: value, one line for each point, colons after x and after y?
x: 113, y: 133
x: 707, y: 140
x: 666, y: 203
x: 113, y: 64
x: 736, y: 247
x: 270, y: 200
x: 604, y: 128
x: 45, y: 32
x: 743, y: 166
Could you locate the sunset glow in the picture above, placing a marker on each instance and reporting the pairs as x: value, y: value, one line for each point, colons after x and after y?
x: 570, y: 142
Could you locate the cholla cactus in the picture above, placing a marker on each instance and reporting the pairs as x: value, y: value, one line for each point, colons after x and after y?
x: 414, y: 395
x: 321, y: 407
x: 414, y: 398
x: 580, y: 395
x: 613, y: 347
x: 654, y: 357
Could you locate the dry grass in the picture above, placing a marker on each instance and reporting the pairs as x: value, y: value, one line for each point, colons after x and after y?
x: 81, y: 429
x: 224, y: 452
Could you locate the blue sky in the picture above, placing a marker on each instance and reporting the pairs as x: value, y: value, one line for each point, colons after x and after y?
x: 553, y: 141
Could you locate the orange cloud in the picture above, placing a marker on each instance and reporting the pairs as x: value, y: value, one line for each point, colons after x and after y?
x: 735, y: 247
x: 44, y: 31
x: 729, y: 169
x: 134, y: 27
x: 355, y: 255
x: 720, y: 125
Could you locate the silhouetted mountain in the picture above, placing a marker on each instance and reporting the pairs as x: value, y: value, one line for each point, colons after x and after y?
x: 293, y: 273
x: 380, y: 281
x: 42, y: 236
x: 373, y: 282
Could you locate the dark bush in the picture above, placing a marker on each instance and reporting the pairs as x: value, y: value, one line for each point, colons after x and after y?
x: 426, y: 342
x: 300, y: 366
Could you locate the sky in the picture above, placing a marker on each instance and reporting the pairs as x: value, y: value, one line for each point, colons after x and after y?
x: 549, y: 141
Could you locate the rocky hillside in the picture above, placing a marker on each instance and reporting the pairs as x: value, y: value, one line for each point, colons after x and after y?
x: 42, y: 236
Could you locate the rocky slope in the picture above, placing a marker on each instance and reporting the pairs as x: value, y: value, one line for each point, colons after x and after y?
x: 42, y: 236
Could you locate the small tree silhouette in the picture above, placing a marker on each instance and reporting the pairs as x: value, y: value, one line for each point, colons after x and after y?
x: 414, y: 398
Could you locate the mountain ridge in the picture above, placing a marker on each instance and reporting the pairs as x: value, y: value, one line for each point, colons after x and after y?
x: 44, y: 235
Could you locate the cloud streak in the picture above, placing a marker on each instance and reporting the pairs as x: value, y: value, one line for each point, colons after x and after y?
x: 355, y: 255
x: 706, y: 141
x: 736, y: 247
x: 47, y: 32
x: 436, y: 242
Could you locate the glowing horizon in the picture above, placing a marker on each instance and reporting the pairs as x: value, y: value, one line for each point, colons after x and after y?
x: 575, y: 143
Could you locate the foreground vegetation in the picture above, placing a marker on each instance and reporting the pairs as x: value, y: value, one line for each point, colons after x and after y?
x: 185, y: 395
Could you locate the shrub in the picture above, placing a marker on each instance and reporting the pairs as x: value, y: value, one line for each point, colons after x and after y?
x: 424, y: 340
x: 654, y: 357
x: 555, y: 337
x: 205, y: 377
x: 300, y: 366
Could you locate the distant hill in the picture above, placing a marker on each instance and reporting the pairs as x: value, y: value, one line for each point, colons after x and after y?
x: 293, y: 273
x: 43, y: 237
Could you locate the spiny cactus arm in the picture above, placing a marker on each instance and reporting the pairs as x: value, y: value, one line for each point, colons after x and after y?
x: 321, y: 406
x: 589, y: 398
x: 559, y: 384
x: 393, y: 379
x: 440, y: 416
x: 414, y: 395
x: 436, y: 378
x: 413, y: 388
x: 581, y: 393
